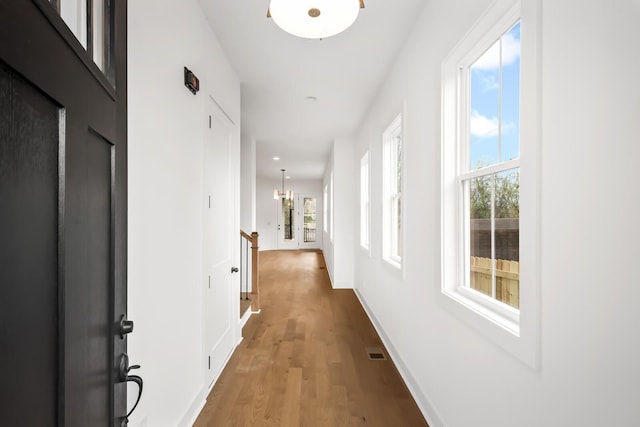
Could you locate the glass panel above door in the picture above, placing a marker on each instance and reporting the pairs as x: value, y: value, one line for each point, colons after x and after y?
x: 98, y: 33
x: 91, y: 23
x: 74, y: 14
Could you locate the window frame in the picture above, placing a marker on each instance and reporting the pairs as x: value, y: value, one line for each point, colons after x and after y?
x: 516, y: 331
x: 304, y: 216
x: 365, y: 202
x: 325, y: 206
x: 331, y: 209
x: 390, y: 196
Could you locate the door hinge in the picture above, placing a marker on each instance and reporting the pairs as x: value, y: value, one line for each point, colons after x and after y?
x: 209, y: 282
x: 209, y: 122
x: 209, y: 202
x: 209, y: 362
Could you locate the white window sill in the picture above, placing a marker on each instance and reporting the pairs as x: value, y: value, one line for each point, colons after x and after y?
x: 515, y: 335
x: 397, y: 265
x: 498, y: 313
x: 365, y: 250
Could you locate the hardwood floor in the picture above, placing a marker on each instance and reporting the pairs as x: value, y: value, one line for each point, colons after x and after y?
x: 303, y: 361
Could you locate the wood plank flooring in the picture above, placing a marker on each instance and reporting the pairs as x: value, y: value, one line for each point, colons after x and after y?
x: 303, y: 361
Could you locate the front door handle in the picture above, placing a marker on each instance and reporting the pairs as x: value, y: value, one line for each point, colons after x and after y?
x: 234, y: 269
x: 125, y: 378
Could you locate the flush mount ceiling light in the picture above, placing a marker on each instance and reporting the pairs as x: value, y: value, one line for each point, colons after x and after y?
x: 314, y: 19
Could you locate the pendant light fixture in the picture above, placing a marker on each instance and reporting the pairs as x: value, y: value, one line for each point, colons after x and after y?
x: 286, y: 195
x: 314, y: 19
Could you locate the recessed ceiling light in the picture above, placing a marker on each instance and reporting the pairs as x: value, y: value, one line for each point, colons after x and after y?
x: 288, y: 177
x: 276, y: 158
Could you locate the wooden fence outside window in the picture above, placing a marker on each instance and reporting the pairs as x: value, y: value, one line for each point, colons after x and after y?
x: 507, y: 279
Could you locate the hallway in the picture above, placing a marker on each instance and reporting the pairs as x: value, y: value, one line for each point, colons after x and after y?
x: 303, y: 361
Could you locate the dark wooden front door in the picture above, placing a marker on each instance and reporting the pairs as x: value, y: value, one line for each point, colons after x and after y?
x: 63, y: 211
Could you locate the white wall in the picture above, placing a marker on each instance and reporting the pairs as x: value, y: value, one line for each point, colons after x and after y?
x: 590, y: 344
x: 339, y: 253
x: 266, y: 222
x: 266, y: 208
x: 248, y: 184
x: 166, y: 128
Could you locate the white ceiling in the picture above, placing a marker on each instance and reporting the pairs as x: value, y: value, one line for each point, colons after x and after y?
x: 278, y: 71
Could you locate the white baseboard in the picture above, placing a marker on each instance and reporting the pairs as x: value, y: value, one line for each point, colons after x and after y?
x: 343, y: 285
x: 330, y: 276
x: 194, y: 410
x: 245, y: 318
x: 428, y: 411
x: 201, y: 399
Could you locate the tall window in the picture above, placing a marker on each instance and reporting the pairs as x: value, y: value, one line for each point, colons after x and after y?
x: 324, y: 210
x: 490, y: 170
x: 364, y: 201
x: 392, y: 192
x: 309, y: 219
x: 490, y: 177
x: 332, y: 210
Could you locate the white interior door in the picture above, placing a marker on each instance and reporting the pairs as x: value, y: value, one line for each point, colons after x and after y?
x: 219, y: 226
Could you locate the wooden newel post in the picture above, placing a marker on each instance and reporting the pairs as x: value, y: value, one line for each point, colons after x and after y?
x: 255, y: 275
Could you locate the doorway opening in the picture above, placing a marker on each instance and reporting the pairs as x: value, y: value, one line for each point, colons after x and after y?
x: 298, y: 222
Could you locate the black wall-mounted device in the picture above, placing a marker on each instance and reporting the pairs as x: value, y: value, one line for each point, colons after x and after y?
x: 191, y: 81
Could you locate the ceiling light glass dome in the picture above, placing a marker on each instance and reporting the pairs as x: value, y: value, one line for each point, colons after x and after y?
x: 314, y: 19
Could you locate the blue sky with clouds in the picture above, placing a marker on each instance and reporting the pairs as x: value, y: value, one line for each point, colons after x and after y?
x: 489, y: 123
